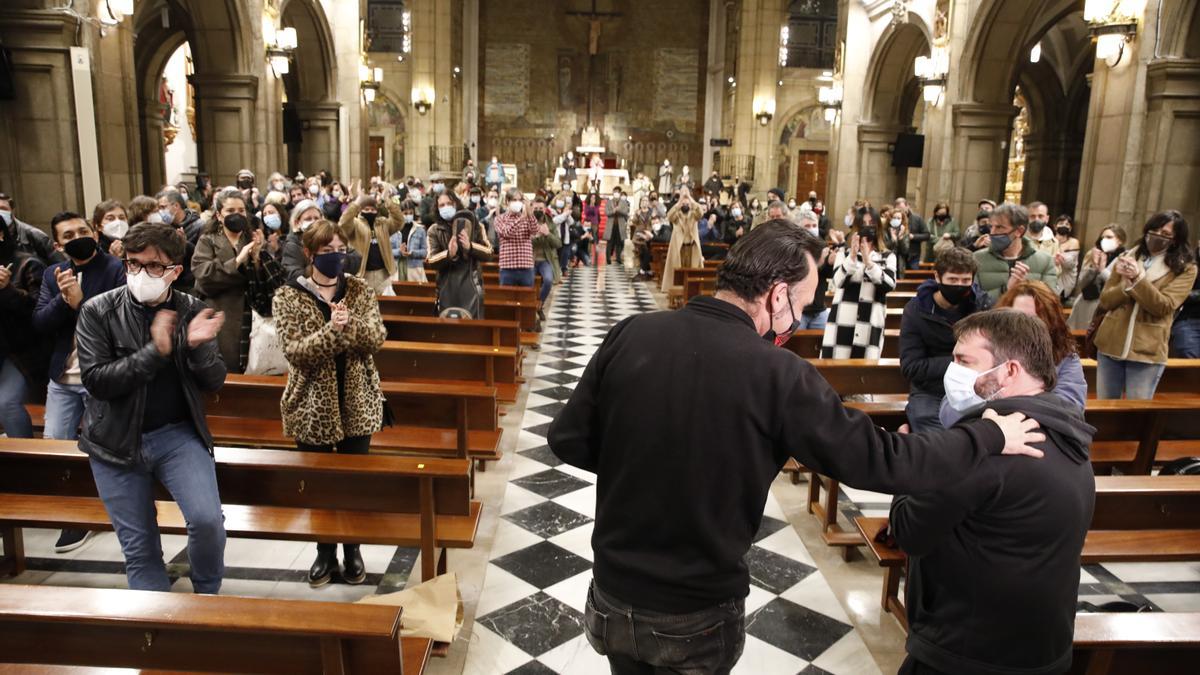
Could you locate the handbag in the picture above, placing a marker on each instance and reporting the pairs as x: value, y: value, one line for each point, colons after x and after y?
x: 266, y: 351
x: 1089, y: 340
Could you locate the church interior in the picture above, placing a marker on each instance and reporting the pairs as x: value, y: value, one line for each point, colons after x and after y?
x: 821, y: 112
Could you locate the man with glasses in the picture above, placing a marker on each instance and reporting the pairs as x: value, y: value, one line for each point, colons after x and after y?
x: 147, y: 356
x: 88, y: 272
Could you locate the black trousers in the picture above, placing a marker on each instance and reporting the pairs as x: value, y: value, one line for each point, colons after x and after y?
x: 354, y: 445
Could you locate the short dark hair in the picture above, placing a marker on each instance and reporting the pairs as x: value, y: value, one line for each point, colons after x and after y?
x: 160, y: 236
x: 1015, y: 214
x: 5, y: 197
x: 1013, y: 335
x: 103, y: 208
x: 772, y: 252
x: 62, y: 217
x: 957, y: 260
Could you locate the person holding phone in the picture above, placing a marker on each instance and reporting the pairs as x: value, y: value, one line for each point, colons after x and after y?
x: 863, y: 274
x: 457, y: 246
x: 229, y: 258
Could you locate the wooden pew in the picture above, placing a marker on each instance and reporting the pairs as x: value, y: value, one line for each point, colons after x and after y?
x: 450, y: 418
x: 490, y: 292
x: 658, y: 258
x: 489, y: 278
x: 486, y: 332
x: 1134, y: 644
x: 435, y: 363
x: 221, y: 634
x: 1136, y: 519
x: 523, y: 313
x: 265, y: 494
x: 808, y: 343
x: 1129, y: 436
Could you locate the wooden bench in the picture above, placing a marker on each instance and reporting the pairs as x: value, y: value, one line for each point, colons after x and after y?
x: 1136, y: 519
x: 1135, y: 644
x: 488, y: 332
x: 523, y: 313
x: 658, y: 258
x: 449, y: 418
x: 489, y: 277
x: 265, y: 494
x: 808, y: 343
x: 225, y: 634
x: 437, y: 363
x: 494, y: 292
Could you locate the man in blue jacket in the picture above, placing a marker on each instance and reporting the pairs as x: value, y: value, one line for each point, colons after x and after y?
x: 87, y: 272
x: 927, y: 332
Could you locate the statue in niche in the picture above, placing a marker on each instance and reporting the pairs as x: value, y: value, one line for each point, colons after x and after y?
x: 564, y: 82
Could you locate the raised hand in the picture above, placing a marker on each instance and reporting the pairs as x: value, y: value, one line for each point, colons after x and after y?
x: 162, y: 331
x: 68, y: 285
x: 340, y: 316
x: 204, y: 327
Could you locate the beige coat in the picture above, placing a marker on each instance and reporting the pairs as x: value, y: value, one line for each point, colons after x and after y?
x: 359, y: 234
x: 684, y: 250
x: 1138, y: 324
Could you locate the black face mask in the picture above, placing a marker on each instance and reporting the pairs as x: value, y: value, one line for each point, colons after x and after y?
x: 1064, y: 231
x: 245, y: 184
x: 235, y: 222
x: 985, y: 229
x: 80, y: 248
x: 1036, y: 227
x: 868, y: 233
x: 370, y: 218
x: 954, y: 294
x: 780, y: 339
x: 685, y: 208
x: 941, y: 217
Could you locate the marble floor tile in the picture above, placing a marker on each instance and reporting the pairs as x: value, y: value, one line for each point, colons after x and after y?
x: 488, y: 653
x: 521, y: 466
x: 517, y: 498
x: 759, y: 658
x: 814, y: 593
x: 578, y: 473
x: 547, y: 519
x: 573, y: 591
x: 535, y: 624
x: 501, y: 589
x: 1176, y: 602
x: 511, y: 537
x: 582, y: 501
x: 798, y: 630
x: 576, y: 657
x: 1165, y: 571
x: 774, y: 572
x: 550, y: 484
x: 542, y: 454
x: 577, y: 541
x: 542, y: 564
x: 787, y: 543
x: 848, y: 656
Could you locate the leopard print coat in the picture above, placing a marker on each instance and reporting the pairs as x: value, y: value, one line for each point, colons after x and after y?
x: 309, y: 408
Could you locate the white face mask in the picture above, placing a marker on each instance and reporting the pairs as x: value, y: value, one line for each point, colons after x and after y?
x: 145, y: 288
x: 656, y: 227
x: 446, y: 212
x: 737, y: 213
x: 7, y: 217
x: 305, y: 224
x: 474, y: 199
x: 313, y: 190
x: 1108, y: 244
x: 516, y: 207
x: 814, y: 231
x: 896, y: 222
x: 559, y: 204
x: 960, y: 382
x: 116, y: 229
x: 848, y: 220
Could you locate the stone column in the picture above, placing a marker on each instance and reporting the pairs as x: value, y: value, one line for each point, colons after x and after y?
x: 979, y: 154
x: 757, y: 75
x: 470, y: 77
x: 117, y: 110
x: 1051, y: 170
x: 879, y: 181
x: 844, y: 154
x: 154, y: 147
x: 1170, y: 168
x: 319, y: 122
x: 225, y: 107
x: 432, y: 64
x: 714, y: 89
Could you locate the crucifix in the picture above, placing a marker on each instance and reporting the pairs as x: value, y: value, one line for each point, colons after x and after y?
x: 594, y: 19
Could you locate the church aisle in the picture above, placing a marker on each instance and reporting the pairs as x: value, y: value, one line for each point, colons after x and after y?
x: 529, y: 617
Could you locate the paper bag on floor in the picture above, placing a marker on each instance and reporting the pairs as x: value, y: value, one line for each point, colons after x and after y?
x: 431, y: 610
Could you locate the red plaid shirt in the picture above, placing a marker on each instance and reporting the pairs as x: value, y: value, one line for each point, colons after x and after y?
x: 516, y: 240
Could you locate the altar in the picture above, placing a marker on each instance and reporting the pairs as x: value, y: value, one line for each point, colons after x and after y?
x: 610, y: 176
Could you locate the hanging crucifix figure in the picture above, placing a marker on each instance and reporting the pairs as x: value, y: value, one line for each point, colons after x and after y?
x: 595, y: 20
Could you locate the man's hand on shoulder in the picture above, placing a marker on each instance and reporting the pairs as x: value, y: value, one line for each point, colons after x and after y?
x: 1020, y: 433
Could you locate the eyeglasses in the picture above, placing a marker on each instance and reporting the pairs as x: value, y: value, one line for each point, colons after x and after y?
x: 154, y: 269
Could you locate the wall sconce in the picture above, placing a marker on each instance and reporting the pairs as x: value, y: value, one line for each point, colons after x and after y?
x: 369, y: 80
x: 111, y: 12
x: 422, y: 99
x: 280, y: 45
x: 764, y: 110
x: 830, y: 98
x: 1113, y: 24
x: 932, y: 71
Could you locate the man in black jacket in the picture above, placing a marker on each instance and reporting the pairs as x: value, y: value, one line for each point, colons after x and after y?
x: 927, y: 332
x: 681, y: 493
x: 147, y: 356
x: 994, y: 558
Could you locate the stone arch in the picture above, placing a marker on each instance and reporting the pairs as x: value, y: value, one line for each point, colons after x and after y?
x: 1001, y: 33
x: 891, y: 70
x: 310, y: 114
x: 802, y: 129
x: 386, y: 119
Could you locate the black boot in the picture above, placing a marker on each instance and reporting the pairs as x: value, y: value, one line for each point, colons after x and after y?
x: 353, y: 570
x: 324, y: 566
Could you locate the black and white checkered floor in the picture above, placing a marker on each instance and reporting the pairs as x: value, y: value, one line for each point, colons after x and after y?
x: 530, y: 612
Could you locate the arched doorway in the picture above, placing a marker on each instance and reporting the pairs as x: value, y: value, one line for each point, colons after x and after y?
x: 386, y: 137
x: 310, y: 107
x: 804, y: 152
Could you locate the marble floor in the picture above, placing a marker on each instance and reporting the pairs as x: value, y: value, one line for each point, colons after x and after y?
x: 523, y: 584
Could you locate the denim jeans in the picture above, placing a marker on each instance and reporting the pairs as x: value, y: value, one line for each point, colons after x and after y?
x: 640, y: 641
x: 1185, y: 339
x: 175, y: 456
x: 814, y: 321
x: 1134, y: 379
x: 13, y: 414
x: 564, y: 256
x: 922, y: 412
x: 64, y: 409
x: 545, y: 270
x: 521, y: 277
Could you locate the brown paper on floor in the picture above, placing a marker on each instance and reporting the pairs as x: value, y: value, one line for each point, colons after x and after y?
x: 431, y: 610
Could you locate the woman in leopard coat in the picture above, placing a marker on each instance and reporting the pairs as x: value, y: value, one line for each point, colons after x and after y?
x: 329, y: 325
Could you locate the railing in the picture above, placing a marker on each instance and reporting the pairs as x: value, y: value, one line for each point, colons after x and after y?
x: 447, y: 158
x: 735, y: 166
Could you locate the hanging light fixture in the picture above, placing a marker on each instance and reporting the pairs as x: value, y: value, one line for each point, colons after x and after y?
x: 111, y: 12
x: 931, y: 71
x: 830, y: 98
x: 369, y: 81
x: 764, y: 110
x: 1035, y: 54
x: 280, y: 45
x: 1112, y: 24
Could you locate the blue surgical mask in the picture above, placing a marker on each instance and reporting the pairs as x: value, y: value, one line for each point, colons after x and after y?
x: 438, y: 188
x: 165, y: 215
x: 273, y: 221
x: 446, y: 212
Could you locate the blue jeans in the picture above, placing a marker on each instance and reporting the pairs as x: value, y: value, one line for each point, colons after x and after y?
x: 1134, y: 379
x: 641, y: 641
x: 922, y: 412
x: 13, y: 414
x: 565, y: 255
x: 814, y: 321
x: 64, y: 409
x: 521, y: 277
x: 177, y: 457
x: 1185, y: 339
x: 544, y: 269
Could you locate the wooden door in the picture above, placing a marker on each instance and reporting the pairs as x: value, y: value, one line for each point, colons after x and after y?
x: 811, y: 173
x: 375, y: 152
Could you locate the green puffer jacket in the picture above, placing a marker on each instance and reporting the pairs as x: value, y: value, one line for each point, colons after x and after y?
x: 547, y: 247
x: 993, y: 270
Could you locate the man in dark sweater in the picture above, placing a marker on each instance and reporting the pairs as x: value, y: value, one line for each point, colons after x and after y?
x: 994, y: 558
x: 88, y: 272
x: 681, y: 494
x: 148, y: 355
x: 927, y: 332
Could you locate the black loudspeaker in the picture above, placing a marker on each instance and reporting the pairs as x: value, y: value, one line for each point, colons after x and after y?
x: 8, y: 85
x: 292, y: 127
x: 909, y: 150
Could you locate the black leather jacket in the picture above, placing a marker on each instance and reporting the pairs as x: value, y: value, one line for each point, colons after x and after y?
x: 117, y: 359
